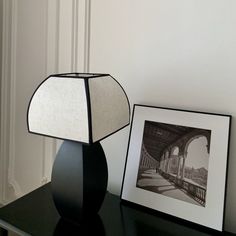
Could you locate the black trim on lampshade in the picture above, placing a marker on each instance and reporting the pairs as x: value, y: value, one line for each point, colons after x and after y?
x: 76, y: 75
x: 90, y: 132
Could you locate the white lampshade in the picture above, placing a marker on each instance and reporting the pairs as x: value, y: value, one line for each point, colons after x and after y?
x: 82, y: 107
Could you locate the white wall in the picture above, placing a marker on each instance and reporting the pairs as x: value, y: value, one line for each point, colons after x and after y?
x: 24, y: 58
x: 0, y: 46
x: 0, y: 40
x: 1, y: 29
x: 30, y: 69
x: 178, y: 54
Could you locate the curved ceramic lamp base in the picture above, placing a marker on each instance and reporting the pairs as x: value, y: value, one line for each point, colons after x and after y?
x: 79, y: 180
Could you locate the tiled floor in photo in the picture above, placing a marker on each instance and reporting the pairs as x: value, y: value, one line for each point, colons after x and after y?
x: 150, y: 180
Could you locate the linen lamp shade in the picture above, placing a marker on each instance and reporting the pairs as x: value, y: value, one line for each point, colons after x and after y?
x: 79, y: 107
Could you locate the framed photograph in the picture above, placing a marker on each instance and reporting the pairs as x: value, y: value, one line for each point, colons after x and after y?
x: 177, y: 163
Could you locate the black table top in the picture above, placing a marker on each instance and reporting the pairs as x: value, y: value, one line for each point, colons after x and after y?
x: 35, y: 214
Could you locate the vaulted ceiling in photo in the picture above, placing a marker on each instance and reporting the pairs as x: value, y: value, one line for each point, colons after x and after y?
x: 158, y: 136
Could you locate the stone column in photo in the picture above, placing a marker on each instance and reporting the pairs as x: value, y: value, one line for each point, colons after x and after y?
x: 183, y: 168
x: 162, y: 163
x: 179, y: 166
x: 168, y: 164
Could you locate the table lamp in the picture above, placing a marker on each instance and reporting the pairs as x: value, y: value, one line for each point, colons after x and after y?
x: 82, y: 109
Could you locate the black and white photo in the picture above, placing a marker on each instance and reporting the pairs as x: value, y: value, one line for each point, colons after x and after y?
x: 177, y: 163
x: 174, y: 161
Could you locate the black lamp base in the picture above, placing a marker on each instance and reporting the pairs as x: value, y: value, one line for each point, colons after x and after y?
x: 79, y: 180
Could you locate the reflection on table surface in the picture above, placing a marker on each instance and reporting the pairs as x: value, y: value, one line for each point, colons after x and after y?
x: 35, y: 214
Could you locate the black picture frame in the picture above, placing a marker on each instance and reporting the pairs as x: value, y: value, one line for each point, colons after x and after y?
x: 177, y: 163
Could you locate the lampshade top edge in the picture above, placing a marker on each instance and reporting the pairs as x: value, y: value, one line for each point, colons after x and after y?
x: 77, y: 75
